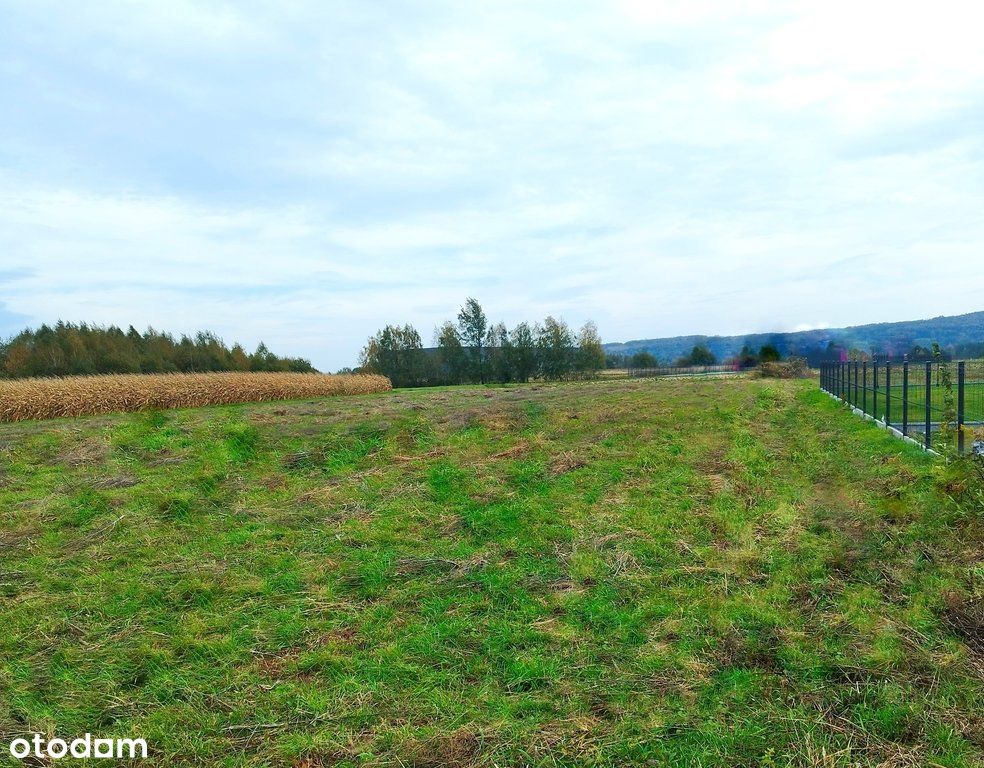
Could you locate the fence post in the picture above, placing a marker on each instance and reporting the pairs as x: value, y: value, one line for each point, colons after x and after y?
x: 929, y: 400
x: 888, y: 393
x: 905, y: 397
x: 874, y: 391
x: 961, y: 371
x: 864, y: 386
x: 843, y: 368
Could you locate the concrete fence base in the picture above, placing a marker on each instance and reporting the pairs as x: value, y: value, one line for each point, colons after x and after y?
x: 879, y: 423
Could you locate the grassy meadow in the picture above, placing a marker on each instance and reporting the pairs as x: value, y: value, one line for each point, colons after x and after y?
x: 669, y: 572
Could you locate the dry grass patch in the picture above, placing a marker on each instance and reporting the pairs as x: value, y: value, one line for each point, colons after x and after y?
x: 511, y: 453
x: 566, y: 462
x: 23, y: 399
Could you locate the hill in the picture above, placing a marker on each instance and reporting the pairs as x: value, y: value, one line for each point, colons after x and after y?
x: 959, y: 335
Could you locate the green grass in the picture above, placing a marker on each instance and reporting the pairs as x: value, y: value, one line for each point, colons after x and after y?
x: 916, y: 398
x: 706, y: 573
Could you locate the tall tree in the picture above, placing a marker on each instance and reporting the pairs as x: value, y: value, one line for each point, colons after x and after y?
x: 261, y: 360
x: 397, y: 353
x: 472, y: 328
x: 451, y: 357
x: 747, y: 358
x: 498, y: 353
x: 701, y: 355
x: 769, y: 354
x: 238, y: 360
x: 522, y: 352
x: 555, y: 345
x: 590, y: 356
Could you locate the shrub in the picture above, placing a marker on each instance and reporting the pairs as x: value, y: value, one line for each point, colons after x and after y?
x: 643, y: 359
x: 793, y: 368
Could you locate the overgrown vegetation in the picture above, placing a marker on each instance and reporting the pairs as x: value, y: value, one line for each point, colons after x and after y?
x: 23, y: 399
x: 793, y: 368
x: 473, y: 351
x: 961, y: 474
x: 705, y: 573
x: 68, y: 349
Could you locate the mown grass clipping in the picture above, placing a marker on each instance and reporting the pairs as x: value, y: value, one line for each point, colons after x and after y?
x: 22, y: 399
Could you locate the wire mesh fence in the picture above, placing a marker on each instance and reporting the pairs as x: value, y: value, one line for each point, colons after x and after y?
x: 939, y: 404
x: 681, y: 370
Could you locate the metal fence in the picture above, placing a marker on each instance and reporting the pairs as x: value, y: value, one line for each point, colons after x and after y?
x: 677, y: 370
x: 915, y: 399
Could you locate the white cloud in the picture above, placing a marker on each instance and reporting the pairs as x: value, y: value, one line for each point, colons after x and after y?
x: 303, y: 173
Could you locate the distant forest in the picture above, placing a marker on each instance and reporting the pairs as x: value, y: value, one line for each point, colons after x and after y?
x: 68, y: 349
x: 959, y: 336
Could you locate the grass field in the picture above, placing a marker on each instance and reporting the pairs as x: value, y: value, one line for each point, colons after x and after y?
x: 694, y: 573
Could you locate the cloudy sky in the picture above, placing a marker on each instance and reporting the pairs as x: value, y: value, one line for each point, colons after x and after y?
x: 305, y: 172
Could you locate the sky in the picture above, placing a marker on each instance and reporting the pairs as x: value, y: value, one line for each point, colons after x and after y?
x: 304, y: 173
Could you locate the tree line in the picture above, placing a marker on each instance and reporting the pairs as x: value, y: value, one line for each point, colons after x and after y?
x: 471, y: 350
x: 67, y: 349
x: 700, y: 355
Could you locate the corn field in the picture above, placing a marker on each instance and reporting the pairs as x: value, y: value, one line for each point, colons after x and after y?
x: 49, y: 398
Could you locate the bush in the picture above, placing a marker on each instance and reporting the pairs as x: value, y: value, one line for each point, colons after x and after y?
x: 793, y: 368
x: 769, y: 354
